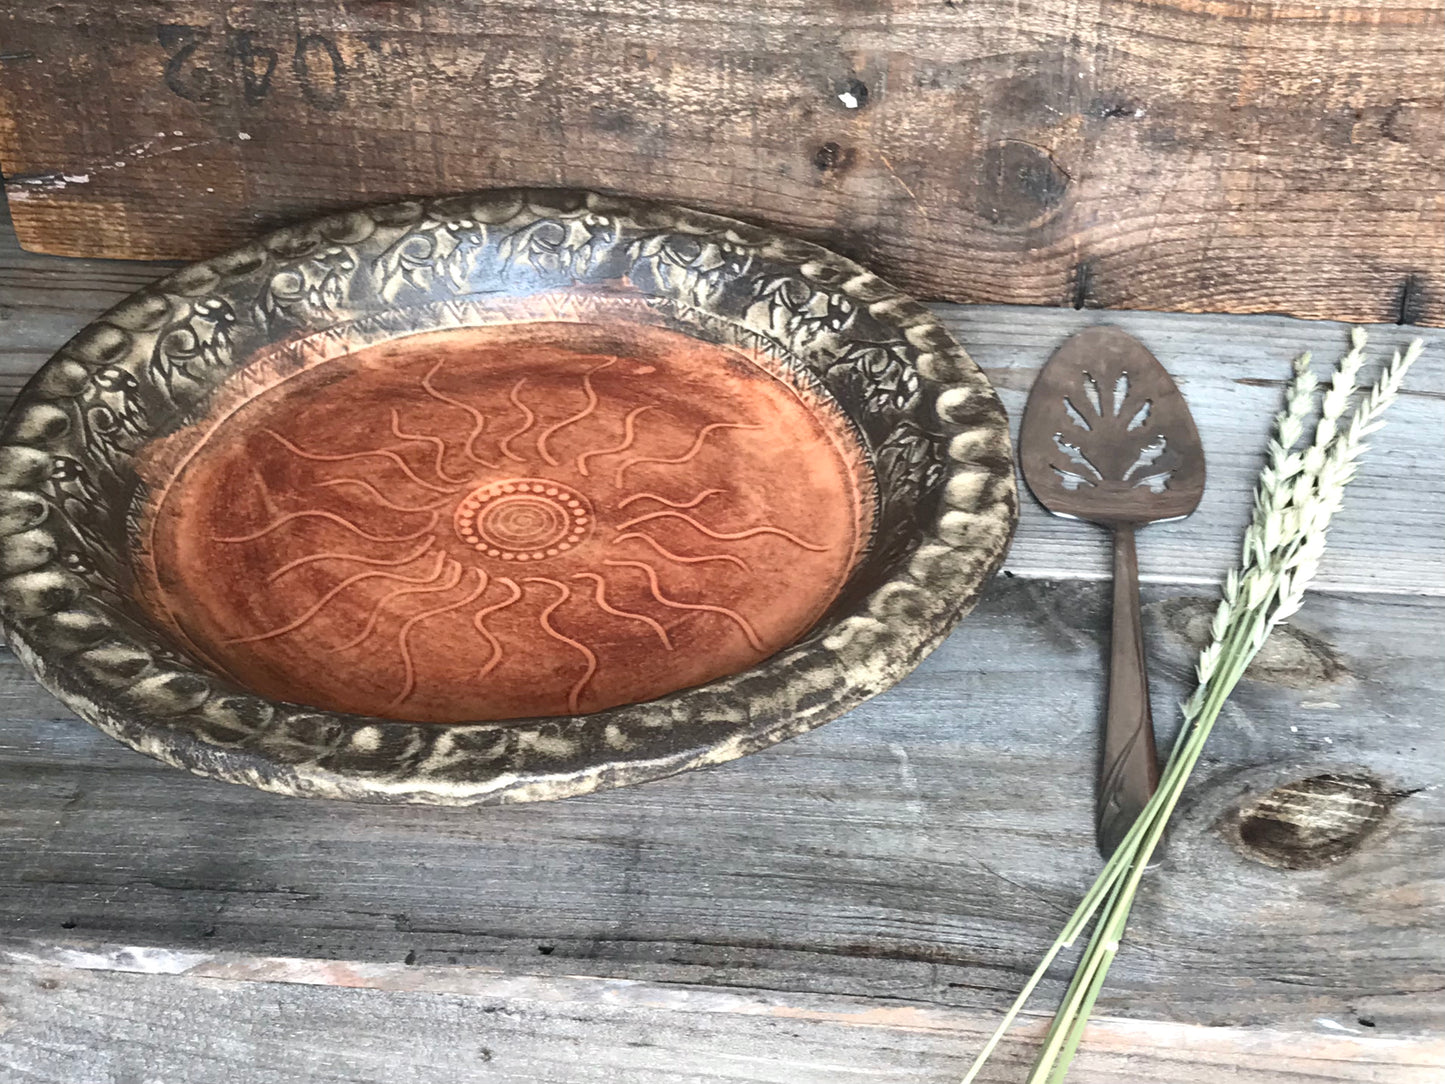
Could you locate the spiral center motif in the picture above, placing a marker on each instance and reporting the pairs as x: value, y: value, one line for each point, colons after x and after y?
x: 523, y: 519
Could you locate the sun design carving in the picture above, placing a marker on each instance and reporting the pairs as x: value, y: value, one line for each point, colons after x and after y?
x: 523, y: 519
x: 523, y: 523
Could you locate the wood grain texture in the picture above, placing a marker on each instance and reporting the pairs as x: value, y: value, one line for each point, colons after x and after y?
x: 278, y: 1020
x: 912, y: 859
x: 1198, y: 155
x: 924, y: 848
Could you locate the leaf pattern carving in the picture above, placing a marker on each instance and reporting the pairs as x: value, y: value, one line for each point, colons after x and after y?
x: 1110, y: 441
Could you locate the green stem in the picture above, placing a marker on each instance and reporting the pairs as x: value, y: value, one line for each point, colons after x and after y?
x: 1113, y: 871
x: 1112, y: 878
x: 1086, y: 1004
x: 1109, y: 878
x: 1157, y: 813
x: 1148, y: 825
x: 1083, y: 973
x: 1078, y: 978
x: 1111, y: 874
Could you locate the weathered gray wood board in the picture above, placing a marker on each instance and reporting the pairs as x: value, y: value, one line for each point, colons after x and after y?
x: 294, y: 1021
x: 926, y: 847
x: 1204, y: 155
x: 855, y: 904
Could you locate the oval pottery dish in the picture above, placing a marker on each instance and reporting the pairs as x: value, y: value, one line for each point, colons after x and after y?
x: 499, y: 497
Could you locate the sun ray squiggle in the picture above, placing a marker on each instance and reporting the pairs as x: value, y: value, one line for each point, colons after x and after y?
x: 733, y: 615
x: 385, y: 502
x: 687, y: 456
x: 704, y: 495
x: 545, y: 617
x: 479, y: 420
x: 736, y: 536
x: 478, y: 619
x: 607, y: 607
x: 551, y: 430
x: 408, y: 666
x: 528, y: 417
x: 316, y: 608
x: 453, y: 569
x: 382, y: 453
x: 388, y: 562
x: 342, y: 521
x: 629, y: 435
x: 439, y: 465
x: 682, y: 559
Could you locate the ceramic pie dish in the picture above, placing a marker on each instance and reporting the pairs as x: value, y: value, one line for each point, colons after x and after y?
x: 499, y: 497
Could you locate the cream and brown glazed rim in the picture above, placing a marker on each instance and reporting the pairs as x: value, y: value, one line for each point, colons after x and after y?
x: 936, y: 430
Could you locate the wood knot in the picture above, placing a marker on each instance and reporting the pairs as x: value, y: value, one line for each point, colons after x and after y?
x: 1290, y: 657
x: 1020, y: 183
x: 830, y: 157
x: 1312, y: 822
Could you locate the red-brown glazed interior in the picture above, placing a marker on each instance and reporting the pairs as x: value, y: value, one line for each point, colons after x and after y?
x: 530, y: 518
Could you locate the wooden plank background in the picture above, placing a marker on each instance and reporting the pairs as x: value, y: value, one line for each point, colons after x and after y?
x: 86, y: 1017
x: 1197, y: 155
x: 854, y: 905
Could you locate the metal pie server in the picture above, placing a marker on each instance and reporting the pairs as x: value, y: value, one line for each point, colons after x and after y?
x: 1108, y: 438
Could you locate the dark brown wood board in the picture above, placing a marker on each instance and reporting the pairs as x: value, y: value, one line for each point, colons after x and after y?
x: 1198, y: 155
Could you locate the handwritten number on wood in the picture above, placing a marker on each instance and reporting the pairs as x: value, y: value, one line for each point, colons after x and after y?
x: 316, y: 63
x: 180, y: 42
x: 256, y: 63
x: 322, y: 88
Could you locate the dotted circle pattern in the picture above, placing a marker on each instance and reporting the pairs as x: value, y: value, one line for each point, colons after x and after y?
x: 523, y: 519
